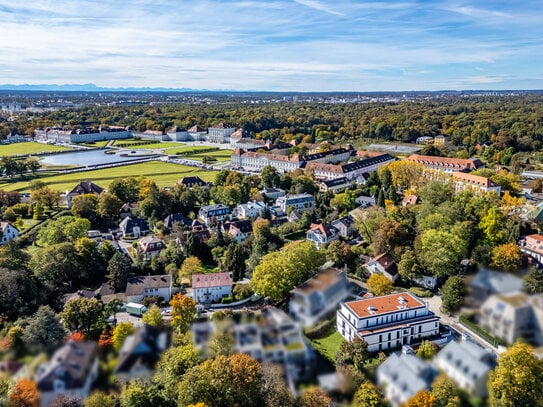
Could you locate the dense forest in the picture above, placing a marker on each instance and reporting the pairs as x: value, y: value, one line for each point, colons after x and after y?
x: 509, y: 123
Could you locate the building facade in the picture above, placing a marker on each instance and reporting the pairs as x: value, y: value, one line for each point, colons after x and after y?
x: 207, y: 288
x: 388, y: 321
x: 8, y: 232
x: 214, y: 213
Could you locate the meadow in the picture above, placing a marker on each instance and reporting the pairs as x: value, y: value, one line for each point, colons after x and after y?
x: 31, y: 147
x: 164, y: 174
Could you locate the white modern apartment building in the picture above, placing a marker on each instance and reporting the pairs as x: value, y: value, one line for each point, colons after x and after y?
x: 300, y: 202
x: 388, y: 321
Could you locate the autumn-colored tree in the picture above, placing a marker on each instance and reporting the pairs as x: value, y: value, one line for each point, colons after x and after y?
x: 315, y: 397
x: 507, y: 257
x: 446, y: 392
x: 517, y: 379
x: 172, y: 365
x: 426, y: 350
x: 153, y: 317
x: 378, y: 284
x: 199, y: 404
x: 406, y: 174
x: 24, y: 394
x: 422, y: 399
x: 121, y: 331
x: 106, y: 338
x: 388, y: 238
x: 367, y: 395
x: 191, y: 265
x: 183, y: 311
x: 492, y: 225
x: 100, y: 399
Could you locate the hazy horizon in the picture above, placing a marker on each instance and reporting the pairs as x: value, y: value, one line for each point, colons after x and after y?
x: 284, y: 46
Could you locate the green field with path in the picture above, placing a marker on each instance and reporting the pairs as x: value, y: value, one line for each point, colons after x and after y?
x: 30, y: 147
x: 164, y: 174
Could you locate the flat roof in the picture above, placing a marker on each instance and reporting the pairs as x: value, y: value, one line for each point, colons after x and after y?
x: 384, y: 304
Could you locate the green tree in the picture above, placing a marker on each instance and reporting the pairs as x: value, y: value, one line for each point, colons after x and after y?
x: 442, y: 252
x: 18, y: 293
x: 453, y: 293
x: 409, y: 266
x: 85, y: 206
x: 516, y: 380
x: 368, y: 396
x: 426, y: 350
x: 100, y: 399
x: 270, y: 177
x: 84, y: 315
x: 45, y: 196
x: 533, y: 281
x: 126, y: 189
x: 354, y: 353
x: 172, y: 366
x: 153, y: 317
x: 119, y: 269
x: 120, y: 333
x: 109, y: 205
x: 234, y: 261
x: 492, y: 225
x: 63, y: 229
x: 44, y: 331
x: 279, y: 272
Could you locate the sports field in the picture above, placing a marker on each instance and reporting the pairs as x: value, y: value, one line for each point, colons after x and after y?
x: 30, y: 147
x: 164, y: 174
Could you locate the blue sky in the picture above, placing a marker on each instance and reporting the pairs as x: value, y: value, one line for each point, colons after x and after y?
x: 283, y: 45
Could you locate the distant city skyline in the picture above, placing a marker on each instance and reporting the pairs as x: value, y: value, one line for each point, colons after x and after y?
x: 276, y: 45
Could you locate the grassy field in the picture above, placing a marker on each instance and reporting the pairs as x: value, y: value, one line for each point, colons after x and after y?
x: 166, y: 144
x: 186, y: 149
x: 221, y: 155
x: 30, y: 147
x: 164, y: 174
x: 328, y: 345
x: 97, y: 143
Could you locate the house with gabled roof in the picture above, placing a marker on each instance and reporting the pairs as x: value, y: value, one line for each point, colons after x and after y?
x: 140, y: 353
x: 468, y: 364
x: 383, y: 264
x: 322, y: 234
x: 143, y: 286
x: 150, y: 246
x: 238, y: 230
x: 8, y: 232
x: 210, y: 287
x: 71, y: 371
x: 318, y: 296
x: 172, y: 219
x: 345, y: 226
x: 84, y: 187
x: 134, y: 227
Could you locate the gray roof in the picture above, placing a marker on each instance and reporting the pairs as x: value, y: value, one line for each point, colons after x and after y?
x: 496, y: 282
x: 136, y: 285
x: 408, y: 372
x: 71, y: 363
x: 467, y: 358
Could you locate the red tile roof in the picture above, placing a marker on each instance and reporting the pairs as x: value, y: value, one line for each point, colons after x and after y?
x: 211, y: 280
x: 446, y: 162
x: 474, y: 179
x: 383, y: 304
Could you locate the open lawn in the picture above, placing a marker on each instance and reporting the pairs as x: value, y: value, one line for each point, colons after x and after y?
x: 173, y: 151
x: 328, y: 345
x: 220, y: 155
x: 30, y: 147
x: 97, y: 143
x: 164, y: 174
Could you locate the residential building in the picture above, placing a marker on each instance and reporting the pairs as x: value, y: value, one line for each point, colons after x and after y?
x: 383, y: 264
x: 532, y: 245
x: 273, y: 193
x: 84, y: 187
x: 318, y: 296
x: 514, y: 315
x: 214, y: 213
x: 336, y: 185
x: 210, y: 287
x: 410, y: 200
x: 220, y: 133
x: 71, y: 371
x: 250, y: 210
x: 345, y: 226
x: 129, y: 209
x: 349, y: 171
x: 447, y: 164
x: 134, y: 227
x: 475, y: 183
x: 388, y: 321
x: 192, y: 181
x: 426, y: 281
x: 238, y: 230
x: 467, y: 364
x: 403, y: 376
x: 300, y: 202
x: 140, y: 353
x: 144, y: 286
x: 488, y: 282
x: 150, y: 246
x: 8, y: 232
x: 322, y: 234
x: 269, y: 335
x: 179, y: 218
x: 200, y: 231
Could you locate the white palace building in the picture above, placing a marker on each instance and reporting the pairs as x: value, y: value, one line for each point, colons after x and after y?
x: 388, y: 321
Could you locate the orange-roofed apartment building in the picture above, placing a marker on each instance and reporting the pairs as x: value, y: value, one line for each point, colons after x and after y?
x: 532, y: 245
x: 388, y: 321
x: 447, y: 164
x: 475, y: 183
